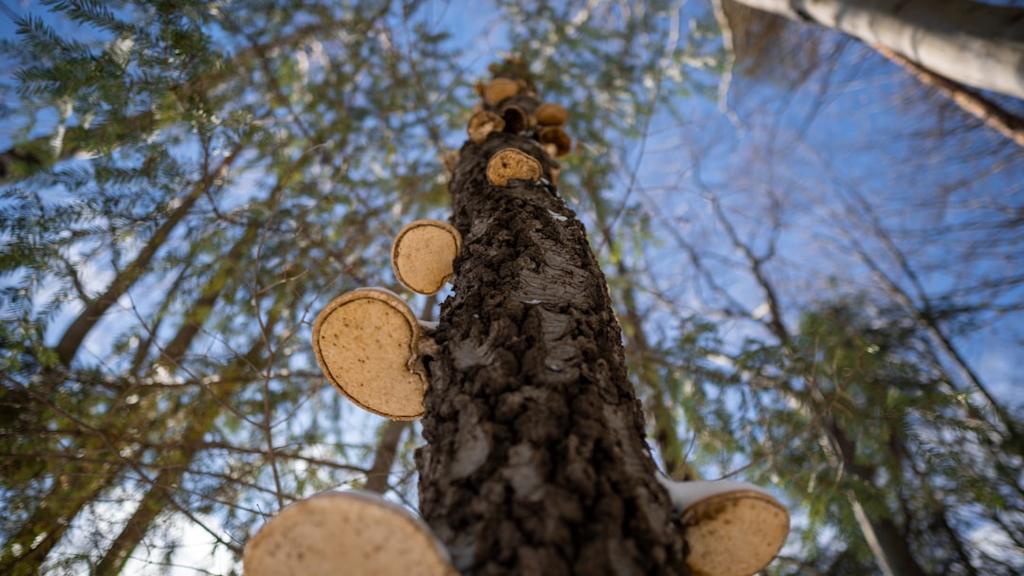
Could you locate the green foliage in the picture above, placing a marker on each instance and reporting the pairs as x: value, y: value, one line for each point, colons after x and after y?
x: 853, y: 409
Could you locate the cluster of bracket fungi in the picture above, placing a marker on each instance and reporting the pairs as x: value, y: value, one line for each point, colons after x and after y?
x: 368, y: 343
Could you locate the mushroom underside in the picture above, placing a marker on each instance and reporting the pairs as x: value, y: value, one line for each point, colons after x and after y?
x: 344, y: 533
x: 423, y: 255
x: 511, y: 164
x: 735, y: 533
x: 364, y: 344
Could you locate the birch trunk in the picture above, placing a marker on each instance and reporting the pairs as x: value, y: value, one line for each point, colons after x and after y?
x: 980, y: 45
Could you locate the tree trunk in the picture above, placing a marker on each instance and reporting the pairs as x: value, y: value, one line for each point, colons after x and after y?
x: 536, y: 461
x: 72, y: 339
x: 673, y: 455
x: 988, y: 111
x: 976, y: 44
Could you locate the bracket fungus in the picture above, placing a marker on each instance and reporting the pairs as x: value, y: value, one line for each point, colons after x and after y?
x: 733, y: 528
x: 366, y: 344
x: 423, y: 255
x: 551, y: 114
x: 516, y: 119
x: 510, y: 164
x: 555, y: 139
x: 500, y: 89
x: 482, y: 124
x: 355, y: 533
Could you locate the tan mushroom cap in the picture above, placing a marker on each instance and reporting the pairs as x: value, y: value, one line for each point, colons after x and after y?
x: 482, y: 124
x: 423, y: 255
x: 364, y: 342
x: 500, y: 89
x: 733, y: 529
x: 551, y: 114
x: 512, y: 164
x: 352, y: 533
x: 556, y: 136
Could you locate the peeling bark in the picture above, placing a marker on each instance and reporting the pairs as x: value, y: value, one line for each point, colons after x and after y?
x: 536, y: 461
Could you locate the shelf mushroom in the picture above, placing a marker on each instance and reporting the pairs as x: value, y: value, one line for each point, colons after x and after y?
x: 556, y: 142
x: 366, y: 344
x: 511, y: 164
x: 482, y: 124
x: 551, y: 114
x: 356, y: 533
x: 733, y: 528
x: 423, y: 255
x: 500, y: 89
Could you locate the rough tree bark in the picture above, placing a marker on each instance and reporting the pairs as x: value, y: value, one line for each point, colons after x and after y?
x: 977, y: 44
x: 673, y: 456
x: 536, y: 461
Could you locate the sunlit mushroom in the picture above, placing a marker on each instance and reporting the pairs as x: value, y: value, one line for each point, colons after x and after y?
x: 553, y: 135
x: 365, y: 342
x: 551, y: 114
x: 354, y: 533
x: 732, y: 528
x: 482, y: 124
x: 500, y: 89
x: 423, y: 255
x: 511, y: 164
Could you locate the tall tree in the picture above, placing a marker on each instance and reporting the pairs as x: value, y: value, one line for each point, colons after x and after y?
x: 529, y: 408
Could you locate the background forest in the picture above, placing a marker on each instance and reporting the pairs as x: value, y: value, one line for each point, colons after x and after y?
x: 817, y: 260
